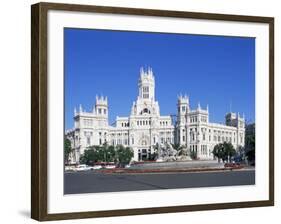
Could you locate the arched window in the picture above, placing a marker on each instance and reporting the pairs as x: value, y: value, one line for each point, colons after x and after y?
x: 145, y: 111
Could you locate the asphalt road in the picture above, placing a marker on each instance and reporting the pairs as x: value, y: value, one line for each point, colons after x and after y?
x: 93, y: 182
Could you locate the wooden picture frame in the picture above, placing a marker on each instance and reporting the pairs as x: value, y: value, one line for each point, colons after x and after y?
x: 39, y: 110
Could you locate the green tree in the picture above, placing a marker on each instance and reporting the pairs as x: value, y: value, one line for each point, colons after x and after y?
x: 250, y: 142
x: 218, y: 151
x: 224, y: 151
x: 124, y: 155
x: 229, y: 151
x: 92, y: 155
x: 89, y: 156
x: 108, y: 152
x: 67, y: 150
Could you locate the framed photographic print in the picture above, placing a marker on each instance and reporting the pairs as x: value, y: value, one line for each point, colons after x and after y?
x: 141, y: 111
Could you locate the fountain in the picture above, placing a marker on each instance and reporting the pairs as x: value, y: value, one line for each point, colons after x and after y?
x: 166, y: 153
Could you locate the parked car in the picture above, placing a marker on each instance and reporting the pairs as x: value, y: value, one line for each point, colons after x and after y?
x: 69, y: 168
x: 110, y: 166
x: 97, y: 167
x: 232, y: 165
x: 83, y: 167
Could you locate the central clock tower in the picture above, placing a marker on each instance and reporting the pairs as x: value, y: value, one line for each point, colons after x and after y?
x: 146, y: 104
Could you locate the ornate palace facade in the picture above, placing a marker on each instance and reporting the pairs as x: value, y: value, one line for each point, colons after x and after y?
x: 145, y: 127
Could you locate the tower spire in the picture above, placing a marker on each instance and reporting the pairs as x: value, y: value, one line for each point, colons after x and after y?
x: 146, y: 84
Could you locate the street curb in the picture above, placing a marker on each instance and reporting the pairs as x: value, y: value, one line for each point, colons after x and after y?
x: 128, y: 171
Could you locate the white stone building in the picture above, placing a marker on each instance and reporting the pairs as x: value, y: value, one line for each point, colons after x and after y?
x: 145, y: 127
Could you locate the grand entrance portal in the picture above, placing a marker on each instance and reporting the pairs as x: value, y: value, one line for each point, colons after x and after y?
x: 144, y: 151
x: 144, y: 154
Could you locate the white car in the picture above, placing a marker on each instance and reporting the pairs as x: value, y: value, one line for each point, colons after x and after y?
x: 110, y: 167
x: 83, y: 167
x: 97, y: 167
x: 69, y: 168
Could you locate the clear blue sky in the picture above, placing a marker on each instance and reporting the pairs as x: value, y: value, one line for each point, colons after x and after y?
x: 213, y: 70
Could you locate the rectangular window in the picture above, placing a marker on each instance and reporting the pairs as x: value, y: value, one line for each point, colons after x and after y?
x: 88, y: 141
x: 145, y: 89
x: 145, y: 96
